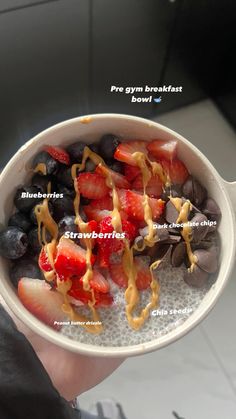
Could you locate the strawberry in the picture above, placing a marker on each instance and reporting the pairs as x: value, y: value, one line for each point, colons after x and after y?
x: 143, y: 278
x: 131, y: 172
x: 103, y: 203
x: 58, y: 153
x: 124, y: 151
x: 109, y: 245
x: 176, y: 170
x: 153, y: 188
x: 70, y: 259
x: 78, y: 293
x: 43, y: 261
x: 98, y: 282
x: 119, y: 180
x: 132, y: 204
x: 161, y: 149
x: 45, y: 303
x: 92, y: 185
x: 95, y: 213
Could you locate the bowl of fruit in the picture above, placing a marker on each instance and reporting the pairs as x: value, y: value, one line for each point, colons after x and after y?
x: 117, y: 235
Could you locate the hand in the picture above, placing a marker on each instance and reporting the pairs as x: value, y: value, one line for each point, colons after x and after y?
x: 71, y: 373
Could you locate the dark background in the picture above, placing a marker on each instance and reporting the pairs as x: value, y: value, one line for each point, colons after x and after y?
x: 59, y: 58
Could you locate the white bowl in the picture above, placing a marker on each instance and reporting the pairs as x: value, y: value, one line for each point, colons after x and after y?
x: 90, y: 129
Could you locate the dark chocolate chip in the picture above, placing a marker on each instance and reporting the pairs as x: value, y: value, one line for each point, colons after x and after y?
x: 173, y: 239
x: 197, y: 278
x: 194, y: 191
x: 173, y: 190
x: 178, y: 254
x: 200, y: 229
x: 207, y: 260
x: 138, y: 242
x: 171, y: 213
x: 211, y: 209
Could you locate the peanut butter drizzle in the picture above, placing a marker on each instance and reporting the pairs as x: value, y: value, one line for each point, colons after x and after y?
x: 131, y: 293
x: 41, y: 167
x: 183, y: 210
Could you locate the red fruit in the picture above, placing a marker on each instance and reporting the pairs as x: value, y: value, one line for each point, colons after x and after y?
x: 124, y: 151
x: 131, y: 172
x: 94, y: 213
x: 70, y: 259
x: 77, y: 292
x: 58, y: 154
x: 132, y: 204
x: 43, y: 261
x: 109, y: 245
x: 92, y: 185
x: 153, y: 188
x: 143, y: 278
x: 45, y: 303
x: 98, y: 282
x: 119, y: 180
x: 176, y: 170
x: 103, y: 203
x: 161, y: 149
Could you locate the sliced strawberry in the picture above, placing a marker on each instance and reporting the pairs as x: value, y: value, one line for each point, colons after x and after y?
x: 118, y: 275
x: 92, y: 185
x: 176, y: 170
x: 108, y: 245
x: 95, y: 213
x: 45, y: 303
x: 70, y: 259
x: 153, y: 188
x: 161, y: 149
x: 132, y: 204
x: 131, y: 172
x: 77, y: 292
x: 58, y: 153
x: 143, y: 278
x: 103, y: 203
x: 119, y: 180
x: 98, y: 282
x: 124, y: 151
x: 43, y: 261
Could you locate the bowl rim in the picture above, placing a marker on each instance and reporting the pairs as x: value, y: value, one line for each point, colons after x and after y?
x: 196, y: 317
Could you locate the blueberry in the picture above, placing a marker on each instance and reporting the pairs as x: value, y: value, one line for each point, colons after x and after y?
x: 62, y: 207
x: 94, y: 147
x: 34, y: 244
x: 33, y: 217
x: 64, y: 176
x: 20, y: 220
x: 67, y: 223
x: 65, y: 191
x: 51, y: 165
x: 25, y: 204
x: 107, y: 146
x: 41, y: 182
x: 24, y: 267
x: 33, y: 240
x: 13, y: 243
x: 116, y: 165
x: 75, y: 151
